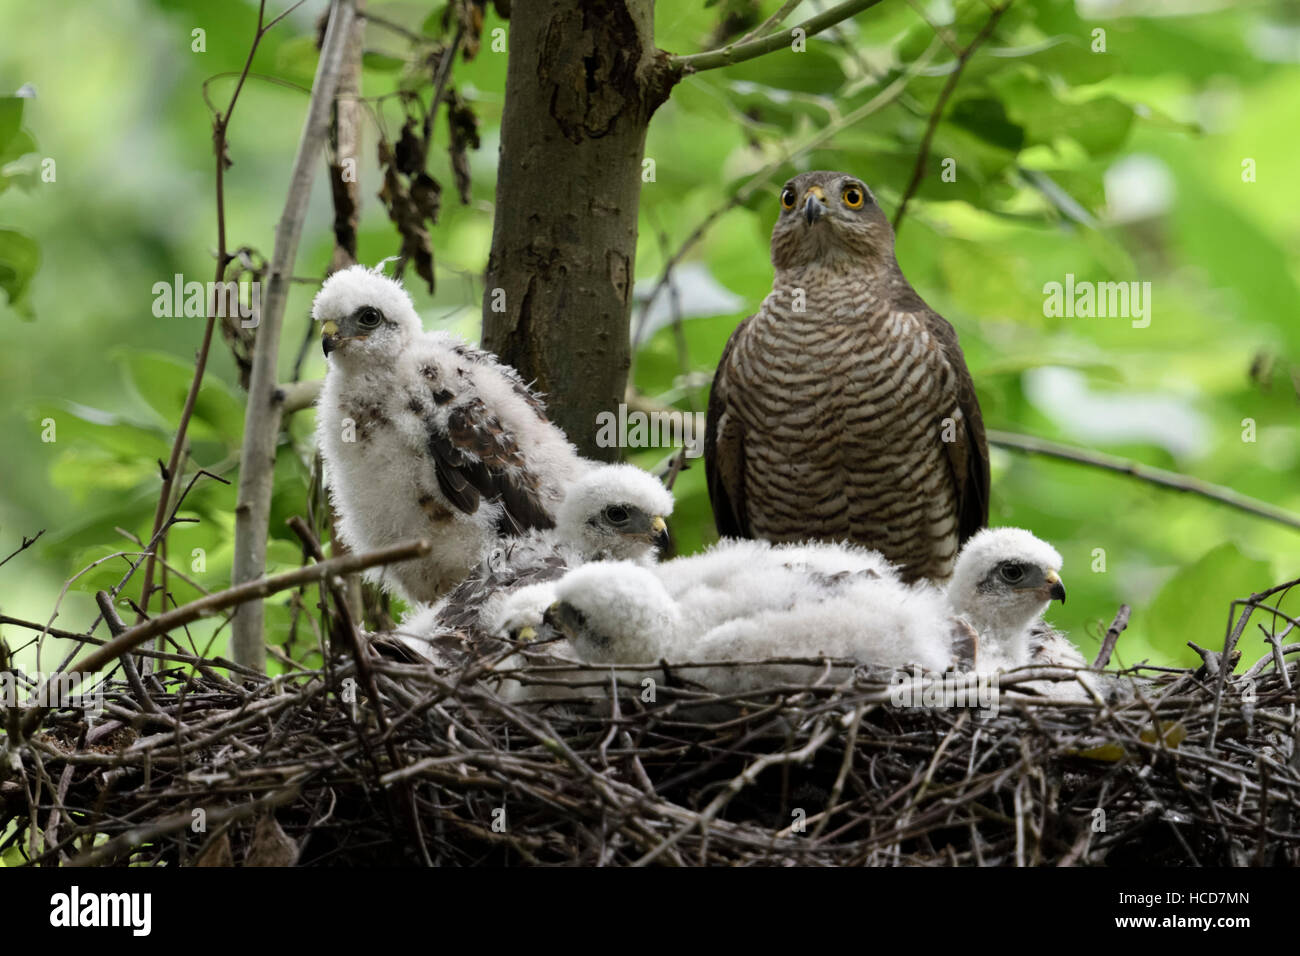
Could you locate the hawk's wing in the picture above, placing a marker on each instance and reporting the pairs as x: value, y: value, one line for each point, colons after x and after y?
x: 476, y: 458
x: 724, y: 453
x: 968, y: 456
x: 503, y: 573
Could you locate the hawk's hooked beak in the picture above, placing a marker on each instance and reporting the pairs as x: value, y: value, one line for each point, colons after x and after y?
x: 814, y: 204
x: 1055, y: 587
x: 328, y: 336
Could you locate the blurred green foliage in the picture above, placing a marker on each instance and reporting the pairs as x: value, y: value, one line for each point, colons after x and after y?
x: 1167, y: 157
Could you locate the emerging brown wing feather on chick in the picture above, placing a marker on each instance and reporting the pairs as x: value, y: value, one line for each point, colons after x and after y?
x: 843, y: 408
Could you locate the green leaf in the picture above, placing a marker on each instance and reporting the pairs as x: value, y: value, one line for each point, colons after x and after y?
x: 127, y: 440
x: 813, y: 71
x: 18, y: 145
x: 432, y: 25
x: 1068, y: 57
x: 162, y: 381
x: 382, y: 62
x: 296, y: 59
x: 987, y: 119
x: 1099, y: 125
x: 11, y: 120
x: 1193, y: 604
x: 19, y: 257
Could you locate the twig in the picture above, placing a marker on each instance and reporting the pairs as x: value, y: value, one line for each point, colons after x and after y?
x: 734, y: 53
x: 242, y: 593
x: 117, y: 628
x: 27, y: 543
x: 1112, y: 636
x: 220, y: 126
x: 776, y: 18
x: 297, y: 396
x: 1147, y: 473
x: 367, y: 675
x: 263, y: 415
x: 923, y: 155
x: 395, y: 27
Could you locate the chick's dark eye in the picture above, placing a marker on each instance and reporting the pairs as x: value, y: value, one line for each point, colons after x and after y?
x: 853, y: 197
x: 787, y: 198
x: 1012, y: 573
x: 369, y: 318
x: 616, y: 514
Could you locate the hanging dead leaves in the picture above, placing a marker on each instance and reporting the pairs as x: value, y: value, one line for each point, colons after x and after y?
x: 412, y: 197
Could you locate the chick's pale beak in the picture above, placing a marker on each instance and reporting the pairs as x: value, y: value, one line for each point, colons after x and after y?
x: 659, y: 532
x: 328, y: 336
x: 1056, y: 587
x: 527, y: 633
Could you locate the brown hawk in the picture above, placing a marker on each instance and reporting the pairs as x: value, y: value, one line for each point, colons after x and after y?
x: 843, y: 410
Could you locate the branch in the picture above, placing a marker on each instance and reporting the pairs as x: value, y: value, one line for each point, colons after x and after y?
x: 115, y: 625
x: 1147, y: 473
x: 1113, y: 632
x: 774, y: 20
x: 262, y: 418
x: 241, y: 594
x: 740, y: 52
x: 295, y: 396
x: 220, y: 124
x: 918, y: 171
x: 27, y: 543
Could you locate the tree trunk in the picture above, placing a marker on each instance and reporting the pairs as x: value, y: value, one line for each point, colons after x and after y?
x: 582, y: 82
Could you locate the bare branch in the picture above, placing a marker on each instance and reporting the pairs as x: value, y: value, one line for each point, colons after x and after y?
x: 774, y: 20
x: 295, y: 396
x: 220, y: 125
x: 923, y: 156
x: 27, y: 543
x: 740, y: 52
x: 1112, y: 636
x: 241, y: 594
x: 262, y: 419
x: 1147, y: 473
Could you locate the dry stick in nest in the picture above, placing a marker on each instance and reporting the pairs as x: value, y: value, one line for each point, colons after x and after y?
x: 1113, y: 632
x: 570, y: 786
x: 117, y: 628
x: 367, y: 675
x: 1233, y: 635
x: 231, y: 597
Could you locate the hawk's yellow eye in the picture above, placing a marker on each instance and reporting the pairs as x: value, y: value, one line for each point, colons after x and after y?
x: 787, y: 198
x: 853, y: 197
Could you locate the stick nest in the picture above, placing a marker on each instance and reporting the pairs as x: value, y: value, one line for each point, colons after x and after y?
x: 312, y: 769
